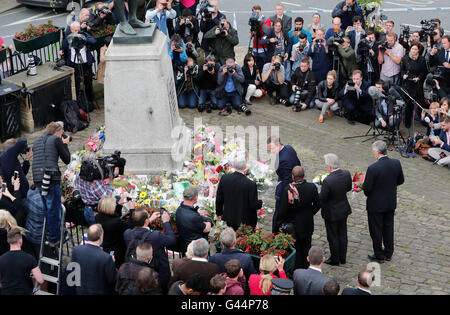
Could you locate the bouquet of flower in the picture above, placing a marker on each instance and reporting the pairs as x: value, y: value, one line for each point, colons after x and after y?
x: 358, y: 181
x: 318, y: 180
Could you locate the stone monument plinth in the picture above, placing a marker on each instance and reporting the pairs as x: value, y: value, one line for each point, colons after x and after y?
x: 141, y: 108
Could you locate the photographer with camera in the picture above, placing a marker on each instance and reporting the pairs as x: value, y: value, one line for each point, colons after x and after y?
x: 12, y: 201
x: 368, y: 50
x: 319, y: 55
x: 187, y: 26
x: 356, y: 99
x: 75, y: 49
x: 390, y: 56
x: 259, y: 26
x: 356, y: 33
x: 347, y: 60
x: 177, y: 51
x: 298, y: 29
x: 346, y: 10
x: 303, y: 87
x: 192, y: 52
x: 47, y: 150
x: 223, y: 39
x: 279, y: 43
x: 211, y: 16
x: 273, y: 79
x: 229, y: 88
x: 299, y: 51
x: 327, y: 96
x: 413, y: 72
x: 187, y: 85
x: 407, y: 40
x: 440, y: 58
x: 100, y: 15
x: 161, y: 14
x: 441, y: 150
x: 384, y: 110
x: 10, y: 166
x: 315, y: 25
x: 207, y: 81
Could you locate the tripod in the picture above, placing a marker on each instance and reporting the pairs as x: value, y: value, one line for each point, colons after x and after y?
x: 79, y: 66
x: 395, y: 138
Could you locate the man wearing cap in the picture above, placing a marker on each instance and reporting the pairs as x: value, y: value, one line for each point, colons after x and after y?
x: 190, y: 224
x: 281, y: 286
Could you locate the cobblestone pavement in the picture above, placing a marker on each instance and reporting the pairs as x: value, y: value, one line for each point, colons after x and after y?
x: 420, y: 264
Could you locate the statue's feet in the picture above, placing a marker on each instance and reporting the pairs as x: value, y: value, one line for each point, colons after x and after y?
x: 139, y: 24
x: 126, y: 28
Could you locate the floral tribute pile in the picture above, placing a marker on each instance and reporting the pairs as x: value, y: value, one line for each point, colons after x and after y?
x: 204, y: 166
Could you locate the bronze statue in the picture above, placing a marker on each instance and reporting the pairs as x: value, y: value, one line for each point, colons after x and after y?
x: 125, y: 26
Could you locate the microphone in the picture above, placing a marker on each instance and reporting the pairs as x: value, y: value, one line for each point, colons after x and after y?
x: 374, y: 92
x: 394, y: 92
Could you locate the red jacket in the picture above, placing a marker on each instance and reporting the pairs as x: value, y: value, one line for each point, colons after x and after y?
x: 254, y: 280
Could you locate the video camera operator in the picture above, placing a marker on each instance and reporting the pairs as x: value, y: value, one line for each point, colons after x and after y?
x: 100, y: 15
x: 390, y: 56
x: 368, y: 50
x: 9, y: 163
x: 92, y: 181
x: 413, y: 72
x: 223, y: 39
x: 304, y: 86
x: 207, y: 81
x: 210, y: 18
x: 279, y: 43
x: 187, y: 26
x: 187, y: 85
x: 75, y: 49
x: 408, y: 39
x: 441, y: 58
x: 47, y: 150
x: 299, y: 51
x: 346, y: 10
x: 259, y: 26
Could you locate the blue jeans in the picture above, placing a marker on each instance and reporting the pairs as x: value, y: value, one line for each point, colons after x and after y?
x: 204, y: 96
x: 188, y: 99
x: 52, y: 208
x: 89, y: 215
x: 234, y: 98
x: 292, y: 99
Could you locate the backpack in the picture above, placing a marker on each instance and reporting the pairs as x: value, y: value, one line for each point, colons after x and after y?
x: 134, y: 243
x: 72, y: 121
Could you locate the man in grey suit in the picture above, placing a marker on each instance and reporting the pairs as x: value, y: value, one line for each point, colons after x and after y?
x: 311, y: 281
x: 287, y: 20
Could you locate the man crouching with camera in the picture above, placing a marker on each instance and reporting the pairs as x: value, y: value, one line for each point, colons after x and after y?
x: 230, y: 89
x: 47, y: 150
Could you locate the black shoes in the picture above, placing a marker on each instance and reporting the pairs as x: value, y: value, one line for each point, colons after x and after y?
x: 351, y: 122
x: 377, y: 259
x: 332, y: 263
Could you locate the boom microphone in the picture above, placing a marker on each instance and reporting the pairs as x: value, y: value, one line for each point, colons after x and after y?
x: 375, y: 93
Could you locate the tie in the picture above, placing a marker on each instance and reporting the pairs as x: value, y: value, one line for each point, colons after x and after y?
x: 446, y: 56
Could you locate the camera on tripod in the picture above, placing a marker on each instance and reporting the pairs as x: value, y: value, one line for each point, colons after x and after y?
x: 76, y: 41
x: 254, y: 22
x: 90, y: 171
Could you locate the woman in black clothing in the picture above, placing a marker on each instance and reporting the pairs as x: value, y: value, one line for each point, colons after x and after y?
x: 113, y: 227
x: 413, y: 72
x: 12, y: 202
x: 327, y: 96
x: 252, y: 79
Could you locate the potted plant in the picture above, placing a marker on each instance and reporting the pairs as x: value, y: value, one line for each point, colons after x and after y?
x: 36, y: 37
x: 100, y: 34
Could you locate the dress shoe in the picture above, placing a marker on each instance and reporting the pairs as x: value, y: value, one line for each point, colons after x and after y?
x: 375, y: 258
x: 388, y: 258
x: 332, y: 263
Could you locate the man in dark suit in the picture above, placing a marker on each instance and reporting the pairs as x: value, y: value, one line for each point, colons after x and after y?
x: 98, y: 271
x: 441, y: 58
x: 380, y: 187
x: 237, y: 198
x: 442, y: 145
x: 356, y: 99
x: 336, y: 208
x: 298, y: 204
x: 311, y: 281
x: 287, y: 20
x: 365, y: 280
x: 198, y: 264
x: 158, y: 239
x: 286, y: 159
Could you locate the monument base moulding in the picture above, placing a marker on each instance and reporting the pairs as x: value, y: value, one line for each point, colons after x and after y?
x: 141, y: 109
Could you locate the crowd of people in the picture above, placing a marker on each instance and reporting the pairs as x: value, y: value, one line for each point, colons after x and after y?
x: 303, y: 67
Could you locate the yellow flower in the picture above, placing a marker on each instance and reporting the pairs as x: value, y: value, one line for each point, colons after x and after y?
x: 142, y: 195
x: 147, y: 202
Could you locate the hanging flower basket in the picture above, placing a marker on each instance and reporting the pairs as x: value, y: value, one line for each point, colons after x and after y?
x: 36, y: 37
